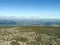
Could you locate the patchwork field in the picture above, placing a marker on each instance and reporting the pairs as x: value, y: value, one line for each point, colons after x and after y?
x: 30, y: 35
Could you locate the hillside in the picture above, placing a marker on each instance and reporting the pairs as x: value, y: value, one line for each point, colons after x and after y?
x: 30, y: 35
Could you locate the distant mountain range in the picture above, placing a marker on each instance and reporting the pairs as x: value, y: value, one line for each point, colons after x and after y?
x: 30, y: 22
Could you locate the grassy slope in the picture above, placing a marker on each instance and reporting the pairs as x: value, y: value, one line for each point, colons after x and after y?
x: 49, y: 30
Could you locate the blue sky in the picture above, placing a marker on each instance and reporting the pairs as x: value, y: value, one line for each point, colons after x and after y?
x: 30, y: 8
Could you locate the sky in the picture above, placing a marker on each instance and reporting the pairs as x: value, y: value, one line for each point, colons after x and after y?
x: 45, y: 9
